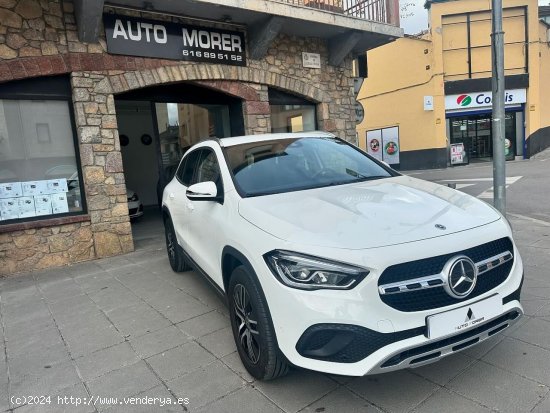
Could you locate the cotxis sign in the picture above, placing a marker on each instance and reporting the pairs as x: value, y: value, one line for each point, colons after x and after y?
x: 166, y: 40
x: 483, y: 99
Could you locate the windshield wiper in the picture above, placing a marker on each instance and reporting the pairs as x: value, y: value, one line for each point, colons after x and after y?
x: 355, y: 174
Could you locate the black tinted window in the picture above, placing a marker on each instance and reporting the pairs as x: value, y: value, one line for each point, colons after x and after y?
x: 187, y: 167
x: 208, y: 169
x: 284, y: 165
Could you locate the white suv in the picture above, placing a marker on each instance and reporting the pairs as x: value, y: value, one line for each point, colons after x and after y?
x: 332, y: 261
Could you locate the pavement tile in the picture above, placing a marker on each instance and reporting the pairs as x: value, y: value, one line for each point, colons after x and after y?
x: 442, y: 371
x: 532, y: 307
x: 87, y: 341
x: 62, y: 403
x: 180, y: 308
x: 220, y: 343
x: 96, y: 282
x: 4, y: 395
x: 498, y: 389
x: 125, y: 382
x: 113, y: 297
x: 114, y: 262
x: 137, y: 320
x: 521, y: 358
x: 29, y: 327
x: 397, y: 391
x: 34, y: 362
x: 130, y: 269
x: 452, y: 402
x: 233, y: 361
x: 246, y: 400
x: 142, y: 283
x: 23, y: 312
x: 543, y: 406
x: 83, y: 269
x: 61, y: 290
x: 206, y: 384
x: 180, y: 360
x: 535, y: 331
x: 297, y: 390
x: 341, y: 400
x: 103, y: 361
x: 38, y: 342
x: 158, y: 341
x: 156, y: 399
x: 46, y: 381
x: 204, y: 324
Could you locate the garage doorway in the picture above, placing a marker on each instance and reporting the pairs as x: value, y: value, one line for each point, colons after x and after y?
x: 156, y: 127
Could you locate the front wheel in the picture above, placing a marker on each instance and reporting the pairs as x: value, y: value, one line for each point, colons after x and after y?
x: 252, y: 328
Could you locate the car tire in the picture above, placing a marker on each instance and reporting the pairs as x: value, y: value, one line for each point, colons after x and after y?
x: 253, y: 329
x: 174, y: 250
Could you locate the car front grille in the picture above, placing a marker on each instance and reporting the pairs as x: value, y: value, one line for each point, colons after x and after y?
x: 427, y: 295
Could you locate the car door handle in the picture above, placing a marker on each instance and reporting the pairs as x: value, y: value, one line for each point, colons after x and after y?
x: 190, y: 206
x: 171, y: 196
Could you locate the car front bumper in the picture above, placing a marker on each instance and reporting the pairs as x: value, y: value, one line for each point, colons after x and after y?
x: 389, y: 339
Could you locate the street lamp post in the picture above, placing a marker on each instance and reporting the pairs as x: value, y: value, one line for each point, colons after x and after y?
x: 499, y: 159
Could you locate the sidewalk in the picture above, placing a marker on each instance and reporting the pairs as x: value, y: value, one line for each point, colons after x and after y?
x: 129, y: 326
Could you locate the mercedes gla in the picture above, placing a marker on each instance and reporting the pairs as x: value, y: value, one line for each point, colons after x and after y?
x: 332, y: 261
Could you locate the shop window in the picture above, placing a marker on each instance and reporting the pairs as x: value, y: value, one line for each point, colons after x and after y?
x: 39, y: 168
x: 291, y: 113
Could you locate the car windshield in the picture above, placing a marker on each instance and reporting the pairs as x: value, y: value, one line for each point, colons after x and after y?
x: 284, y: 165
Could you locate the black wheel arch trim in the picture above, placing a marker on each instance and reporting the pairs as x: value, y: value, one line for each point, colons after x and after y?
x: 229, y: 250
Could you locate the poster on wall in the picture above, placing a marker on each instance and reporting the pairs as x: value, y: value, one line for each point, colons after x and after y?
x: 390, y: 145
x: 458, y: 154
x: 374, y: 143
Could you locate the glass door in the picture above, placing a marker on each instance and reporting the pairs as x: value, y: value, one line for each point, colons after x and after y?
x: 182, y: 125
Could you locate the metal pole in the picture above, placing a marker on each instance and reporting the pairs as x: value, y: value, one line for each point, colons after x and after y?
x: 499, y: 159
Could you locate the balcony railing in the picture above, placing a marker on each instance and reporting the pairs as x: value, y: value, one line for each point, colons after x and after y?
x: 384, y: 11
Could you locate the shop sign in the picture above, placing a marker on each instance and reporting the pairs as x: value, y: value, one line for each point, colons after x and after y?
x: 457, y: 153
x: 166, y: 40
x: 483, y: 99
x: 383, y: 144
x: 359, y: 112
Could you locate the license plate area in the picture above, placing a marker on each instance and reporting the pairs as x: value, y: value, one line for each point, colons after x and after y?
x: 464, y: 318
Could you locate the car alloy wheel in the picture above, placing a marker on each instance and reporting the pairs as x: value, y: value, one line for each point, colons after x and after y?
x: 247, y: 325
x: 252, y: 327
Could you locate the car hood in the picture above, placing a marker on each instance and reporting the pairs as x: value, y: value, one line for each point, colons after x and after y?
x: 367, y: 214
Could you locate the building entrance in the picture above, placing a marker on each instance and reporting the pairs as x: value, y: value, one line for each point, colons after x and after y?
x: 476, y: 133
x: 158, y: 125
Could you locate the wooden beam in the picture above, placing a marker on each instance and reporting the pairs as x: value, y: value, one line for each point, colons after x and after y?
x: 88, y: 15
x: 261, y: 36
x: 340, y: 46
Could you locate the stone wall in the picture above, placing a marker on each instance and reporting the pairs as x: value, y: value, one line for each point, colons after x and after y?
x: 39, y: 38
x: 38, y: 248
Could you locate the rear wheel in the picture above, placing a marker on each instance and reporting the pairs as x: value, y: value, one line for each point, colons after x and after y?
x: 252, y: 328
x: 175, y: 252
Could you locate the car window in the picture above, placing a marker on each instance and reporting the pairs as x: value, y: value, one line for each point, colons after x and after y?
x: 187, y: 167
x: 293, y: 164
x: 208, y: 168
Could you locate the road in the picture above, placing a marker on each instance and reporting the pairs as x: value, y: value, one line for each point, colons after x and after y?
x: 528, y: 183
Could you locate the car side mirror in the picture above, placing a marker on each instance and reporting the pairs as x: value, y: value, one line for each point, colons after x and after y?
x: 203, y: 191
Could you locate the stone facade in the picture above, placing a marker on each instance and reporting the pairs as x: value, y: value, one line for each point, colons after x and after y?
x: 40, y: 248
x: 39, y: 38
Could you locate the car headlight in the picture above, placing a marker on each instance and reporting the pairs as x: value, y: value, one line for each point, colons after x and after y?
x: 133, y: 198
x: 313, y: 273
